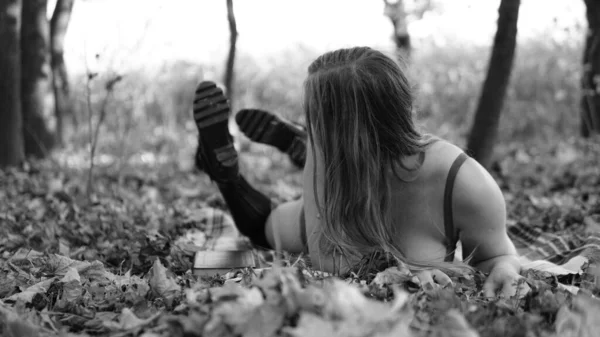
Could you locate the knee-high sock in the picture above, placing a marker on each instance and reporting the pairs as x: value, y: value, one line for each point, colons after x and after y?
x: 249, y: 209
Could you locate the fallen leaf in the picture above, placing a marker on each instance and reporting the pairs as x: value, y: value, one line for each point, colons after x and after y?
x: 63, y: 248
x: 20, y: 328
x: 265, y: 321
x: 38, y: 208
x: 71, y: 275
x: 27, y: 295
x: 15, y: 326
x: 581, y: 320
x: 160, y: 283
x: 128, y: 321
x: 59, y: 265
x: 392, y: 275
x: 453, y: 324
x: 72, y: 289
x: 568, y: 323
x: 135, y: 286
x: 234, y: 306
x: 312, y: 325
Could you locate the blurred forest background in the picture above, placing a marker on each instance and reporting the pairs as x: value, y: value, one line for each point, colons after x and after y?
x: 124, y: 71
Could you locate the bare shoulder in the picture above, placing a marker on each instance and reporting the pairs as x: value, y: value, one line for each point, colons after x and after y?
x: 439, y: 157
x: 475, y: 190
x: 478, y: 203
x: 480, y: 214
x: 479, y: 208
x: 475, y: 187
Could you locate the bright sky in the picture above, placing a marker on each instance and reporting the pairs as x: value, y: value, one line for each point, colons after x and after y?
x: 140, y: 33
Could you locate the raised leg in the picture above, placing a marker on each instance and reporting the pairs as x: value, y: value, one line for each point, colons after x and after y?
x: 217, y: 157
x: 264, y: 127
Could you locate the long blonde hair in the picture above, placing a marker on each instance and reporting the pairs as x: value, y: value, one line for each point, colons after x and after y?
x: 359, y: 110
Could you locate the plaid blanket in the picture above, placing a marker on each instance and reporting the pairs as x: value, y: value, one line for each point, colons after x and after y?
x: 565, y: 254
x: 572, y: 258
x: 566, y: 249
x: 215, y: 231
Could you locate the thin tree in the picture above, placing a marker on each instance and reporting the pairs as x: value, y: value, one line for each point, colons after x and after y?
x: 590, y: 81
x: 396, y: 12
x: 11, y: 135
x: 484, y: 130
x: 233, y: 34
x: 36, y: 95
x: 60, y: 78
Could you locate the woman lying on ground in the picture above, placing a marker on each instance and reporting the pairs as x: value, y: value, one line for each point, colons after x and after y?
x: 372, y: 181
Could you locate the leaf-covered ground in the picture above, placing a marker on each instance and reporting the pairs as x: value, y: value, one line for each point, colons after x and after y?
x: 115, y: 264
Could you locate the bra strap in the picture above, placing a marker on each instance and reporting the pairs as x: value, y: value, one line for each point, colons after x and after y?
x: 451, y: 235
x: 303, y: 228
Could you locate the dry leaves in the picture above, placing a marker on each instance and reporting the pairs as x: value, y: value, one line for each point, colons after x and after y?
x: 161, y: 284
x: 582, y: 319
x: 116, y: 267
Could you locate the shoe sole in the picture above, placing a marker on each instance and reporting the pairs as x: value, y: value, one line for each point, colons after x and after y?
x: 211, y: 114
x: 266, y: 128
x: 210, y: 105
x: 259, y: 126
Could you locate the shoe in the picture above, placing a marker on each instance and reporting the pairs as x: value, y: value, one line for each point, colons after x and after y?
x: 217, y: 157
x: 216, y: 154
x: 264, y: 127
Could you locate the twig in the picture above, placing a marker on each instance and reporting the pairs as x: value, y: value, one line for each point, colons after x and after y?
x: 123, y: 140
x: 109, y: 91
x: 94, y: 132
x: 88, y: 96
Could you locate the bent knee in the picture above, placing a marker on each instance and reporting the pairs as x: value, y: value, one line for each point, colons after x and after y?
x: 283, y: 227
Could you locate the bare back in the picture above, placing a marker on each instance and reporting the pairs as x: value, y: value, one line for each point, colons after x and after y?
x: 417, y: 206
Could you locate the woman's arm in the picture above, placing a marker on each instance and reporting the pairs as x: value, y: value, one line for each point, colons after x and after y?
x: 480, y: 218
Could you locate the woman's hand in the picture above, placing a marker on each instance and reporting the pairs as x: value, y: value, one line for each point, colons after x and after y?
x: 431, y: 276
x: 505, y: 278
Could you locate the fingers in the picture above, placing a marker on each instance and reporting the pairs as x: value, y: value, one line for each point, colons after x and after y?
x: 508, y: 288
x: 425, y: 279
x: 489, y: 288
x: 441, y: 278
x: 521, y: 288
x: 429, y: 278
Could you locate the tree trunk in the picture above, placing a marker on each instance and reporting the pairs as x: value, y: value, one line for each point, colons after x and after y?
x: 484, y: 130
x: 590, y: 82
x: 36, y: 98
x: 233, y: 34
x: 11, y: 125
x: 60, y: 78
x: 398, y: 16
